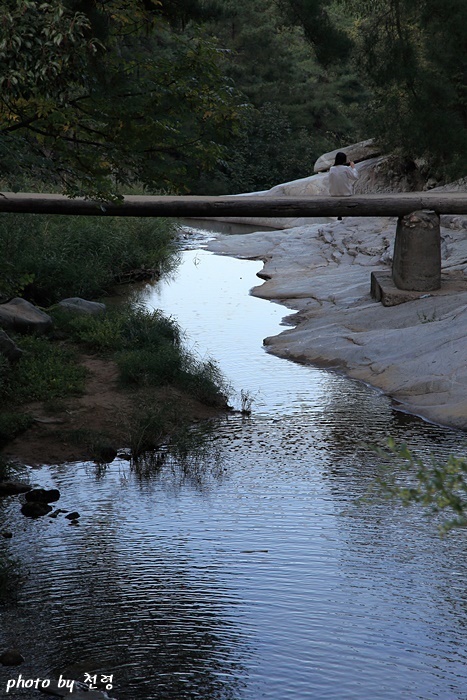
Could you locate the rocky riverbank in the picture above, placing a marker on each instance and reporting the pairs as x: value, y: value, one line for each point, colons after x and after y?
x: 416, y: 352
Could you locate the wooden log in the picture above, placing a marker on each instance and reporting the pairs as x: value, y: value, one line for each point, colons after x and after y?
x: 238, y: 205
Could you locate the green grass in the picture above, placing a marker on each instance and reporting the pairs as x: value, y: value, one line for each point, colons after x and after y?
x: 46, y: 371
x: 148, y: 350
x: 48, y: 258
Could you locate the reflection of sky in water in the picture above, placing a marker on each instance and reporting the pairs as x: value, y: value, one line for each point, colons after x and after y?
x: 263, y: 576
x: 208, y: 296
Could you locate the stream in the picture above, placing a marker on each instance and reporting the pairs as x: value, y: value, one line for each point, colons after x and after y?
x: 261, y: 572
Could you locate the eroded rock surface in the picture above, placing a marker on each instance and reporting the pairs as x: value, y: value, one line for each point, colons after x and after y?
x: 415, y: 352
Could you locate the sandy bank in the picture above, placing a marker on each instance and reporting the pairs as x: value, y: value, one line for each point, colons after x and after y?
x: 415, y: 352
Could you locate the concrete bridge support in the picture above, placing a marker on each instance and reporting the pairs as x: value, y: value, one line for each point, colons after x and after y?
x: 416, y: 266
x: 417, y: 252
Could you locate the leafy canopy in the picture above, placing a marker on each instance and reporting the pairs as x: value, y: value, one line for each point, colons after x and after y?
x: 100, y: 93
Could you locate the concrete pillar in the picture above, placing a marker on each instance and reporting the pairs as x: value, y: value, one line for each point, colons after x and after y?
x: 417, y: 252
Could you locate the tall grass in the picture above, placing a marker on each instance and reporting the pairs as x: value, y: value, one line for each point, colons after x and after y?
x: 46, y: 258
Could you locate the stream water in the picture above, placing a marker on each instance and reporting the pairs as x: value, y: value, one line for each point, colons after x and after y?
x: 262, y: 574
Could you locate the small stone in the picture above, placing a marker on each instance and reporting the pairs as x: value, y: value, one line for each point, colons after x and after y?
x: 72, y: 516
x: 35, y: 509
x: 43, y: 495
x: 11, y: 657
x: 7, y: 535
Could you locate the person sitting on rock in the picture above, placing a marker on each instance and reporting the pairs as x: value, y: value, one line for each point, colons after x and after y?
x: 342, y: 177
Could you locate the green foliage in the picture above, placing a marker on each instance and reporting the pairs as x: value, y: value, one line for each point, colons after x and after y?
x: 148, y: 350
x: 331, y: 44
x: 413, y: 56
x: 149, y: 426
x: 101, y: 93
x: 48, y: 258
x: 441, y: 488
x: 46, y: 371
x: 120, y: 329
x: 169, y: 364
x: 299, y: 107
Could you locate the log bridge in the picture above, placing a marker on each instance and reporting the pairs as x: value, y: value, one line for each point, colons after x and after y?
x: 417, y: 250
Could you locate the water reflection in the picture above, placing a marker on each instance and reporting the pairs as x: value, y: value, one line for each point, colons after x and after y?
x: 259, y: 573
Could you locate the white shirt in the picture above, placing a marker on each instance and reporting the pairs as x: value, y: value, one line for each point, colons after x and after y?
x: 341, y: 180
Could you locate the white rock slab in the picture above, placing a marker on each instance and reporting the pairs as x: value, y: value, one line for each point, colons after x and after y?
x: 415, y: 352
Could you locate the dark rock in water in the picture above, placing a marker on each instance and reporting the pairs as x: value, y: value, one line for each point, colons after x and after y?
x: 35, y: 509
x: 7, y: 535
x: 10, y: 488
x: 72, y: 516
x: 43, y: 495
x: 11, y: 657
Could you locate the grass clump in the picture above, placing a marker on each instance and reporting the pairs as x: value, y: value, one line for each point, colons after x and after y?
x: 47, y: 258
x: 148, y: 350
x: 46, y: 371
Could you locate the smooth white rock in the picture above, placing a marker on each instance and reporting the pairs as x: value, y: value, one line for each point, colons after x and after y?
x: 415, y: 352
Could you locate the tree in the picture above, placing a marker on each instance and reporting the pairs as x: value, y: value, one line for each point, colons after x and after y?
x: 413, y: 55
x: 299, y: 107
x: 100, y: 93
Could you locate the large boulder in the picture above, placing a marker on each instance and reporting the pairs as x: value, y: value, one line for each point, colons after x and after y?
x: 355, y: 152
x: 82, y: 306
x: 22, y: 316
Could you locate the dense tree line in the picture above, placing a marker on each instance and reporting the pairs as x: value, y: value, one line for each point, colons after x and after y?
x: 213, y: 96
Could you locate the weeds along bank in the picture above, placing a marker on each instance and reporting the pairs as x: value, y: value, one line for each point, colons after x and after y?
x: 94, y: 383
x: 46, y: 258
